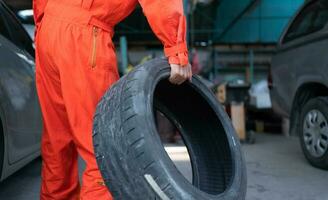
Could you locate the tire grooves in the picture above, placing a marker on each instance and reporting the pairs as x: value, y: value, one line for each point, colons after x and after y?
x: 123, y: 162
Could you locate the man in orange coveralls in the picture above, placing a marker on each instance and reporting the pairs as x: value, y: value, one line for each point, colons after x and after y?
x: 75, y: 65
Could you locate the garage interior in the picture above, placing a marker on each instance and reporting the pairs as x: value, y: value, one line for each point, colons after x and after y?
x: 234, y: 47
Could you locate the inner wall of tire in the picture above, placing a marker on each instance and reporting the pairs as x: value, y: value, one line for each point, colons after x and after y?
x: 202, y: 132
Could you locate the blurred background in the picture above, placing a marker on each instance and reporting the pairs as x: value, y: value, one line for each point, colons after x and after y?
x: 266, y: 62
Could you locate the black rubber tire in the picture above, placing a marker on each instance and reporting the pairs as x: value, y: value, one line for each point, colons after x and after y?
x: 131, y: 157
x: 321, y: 104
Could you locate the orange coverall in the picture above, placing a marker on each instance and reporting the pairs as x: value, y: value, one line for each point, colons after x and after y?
x: 75, y: 65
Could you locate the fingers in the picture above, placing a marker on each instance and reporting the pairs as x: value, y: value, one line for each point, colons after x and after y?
x: 174, y: 78
x: 176, y: 74
x: 180, y: 74
x: 189, y: 72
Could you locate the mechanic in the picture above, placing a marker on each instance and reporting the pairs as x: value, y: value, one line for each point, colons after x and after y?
x: 75, y: 65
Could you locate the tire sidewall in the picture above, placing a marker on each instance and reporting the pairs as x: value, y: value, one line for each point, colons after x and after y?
x: 237, y: 189
x: 321, y: 104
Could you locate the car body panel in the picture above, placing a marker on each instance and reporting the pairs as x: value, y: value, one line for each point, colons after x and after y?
x: 298, y: 62
x: 19, y: 107
x: 19, y: 101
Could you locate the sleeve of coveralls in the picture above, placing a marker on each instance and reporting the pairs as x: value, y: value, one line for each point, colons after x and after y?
x: 168, y: 22
x: 38, y: 11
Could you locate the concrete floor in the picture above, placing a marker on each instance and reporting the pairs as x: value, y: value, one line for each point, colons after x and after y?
x: 276, y: 170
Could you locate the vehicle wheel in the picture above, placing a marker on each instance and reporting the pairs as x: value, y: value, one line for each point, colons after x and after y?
x: 314, y: 132
x: 131, y: 156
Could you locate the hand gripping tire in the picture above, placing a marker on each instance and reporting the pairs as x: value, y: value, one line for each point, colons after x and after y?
x: 131, y: 157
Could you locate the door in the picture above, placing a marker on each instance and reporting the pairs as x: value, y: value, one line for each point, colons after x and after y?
x: 18, y: 93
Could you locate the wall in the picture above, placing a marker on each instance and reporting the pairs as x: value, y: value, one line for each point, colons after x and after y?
x: 260, y: 21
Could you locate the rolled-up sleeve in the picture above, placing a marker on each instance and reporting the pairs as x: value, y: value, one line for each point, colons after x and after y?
x: 167, y: 20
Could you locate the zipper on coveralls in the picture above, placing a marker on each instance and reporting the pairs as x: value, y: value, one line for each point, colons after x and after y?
x: 94, y: 46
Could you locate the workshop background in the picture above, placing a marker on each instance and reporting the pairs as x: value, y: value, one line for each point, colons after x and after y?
x: 249, y: 52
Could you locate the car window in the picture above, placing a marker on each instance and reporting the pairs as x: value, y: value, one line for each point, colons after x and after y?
x: 312, y: 19
x: 15, y: 32
x: 321, y: 18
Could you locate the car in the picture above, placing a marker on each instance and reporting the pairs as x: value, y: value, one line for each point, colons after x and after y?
x: 20, y: 116
x: 299, y: 79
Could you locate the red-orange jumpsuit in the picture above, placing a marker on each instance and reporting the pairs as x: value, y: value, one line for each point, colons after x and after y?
x: 75, y: 65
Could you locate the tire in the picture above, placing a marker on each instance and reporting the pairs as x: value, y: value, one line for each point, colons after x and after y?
x: 131, y: 156
x: 314, y: 149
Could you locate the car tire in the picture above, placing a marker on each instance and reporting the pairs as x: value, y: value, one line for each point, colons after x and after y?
x: 131, y: 156
x: 314, y: 140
